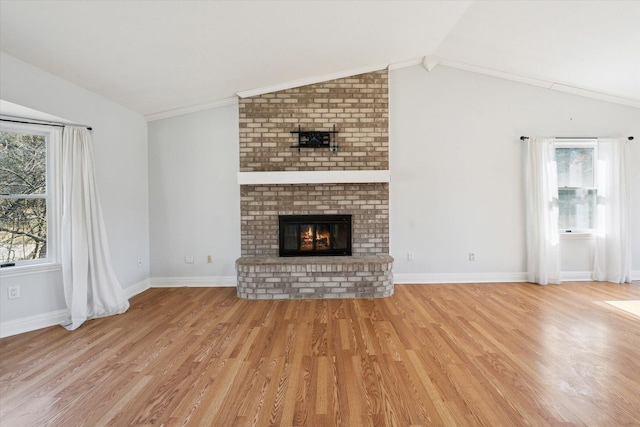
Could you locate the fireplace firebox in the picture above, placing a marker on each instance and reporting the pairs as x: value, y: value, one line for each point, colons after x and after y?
x: 315, y: 235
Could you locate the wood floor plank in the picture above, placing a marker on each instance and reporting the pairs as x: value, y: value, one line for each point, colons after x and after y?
x: 449, y: 355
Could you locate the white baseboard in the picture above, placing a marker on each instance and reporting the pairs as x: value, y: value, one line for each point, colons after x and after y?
x: 138, y: 288
x: 32, y: 323
x: 432, y: 278
x: 575, y: 276
x: 44, y: 320
x: 194, y: 282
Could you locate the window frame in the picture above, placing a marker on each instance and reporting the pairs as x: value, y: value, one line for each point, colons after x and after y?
x: 591, y: 143
x: 52, y: 196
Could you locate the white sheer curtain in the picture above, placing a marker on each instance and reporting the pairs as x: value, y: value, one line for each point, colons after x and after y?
x: 612, y: 256
x: 543, y: 240
x: 90, y: 285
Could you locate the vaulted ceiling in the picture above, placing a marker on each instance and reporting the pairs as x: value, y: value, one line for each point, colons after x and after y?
x: 157, y: 56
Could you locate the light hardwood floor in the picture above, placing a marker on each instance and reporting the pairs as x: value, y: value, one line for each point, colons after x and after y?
x: 507, y: 354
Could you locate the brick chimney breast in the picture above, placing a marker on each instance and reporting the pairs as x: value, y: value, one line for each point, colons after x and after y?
x: 358, y: 106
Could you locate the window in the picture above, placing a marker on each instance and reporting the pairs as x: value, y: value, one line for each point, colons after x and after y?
x: 576, y: 185
x: 26, y: 209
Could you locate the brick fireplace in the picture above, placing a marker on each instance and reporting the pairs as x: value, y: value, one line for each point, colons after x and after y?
x: 349, y: 179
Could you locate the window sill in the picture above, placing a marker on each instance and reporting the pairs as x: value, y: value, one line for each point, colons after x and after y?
x: 577, y: 235
x: 23, y: 270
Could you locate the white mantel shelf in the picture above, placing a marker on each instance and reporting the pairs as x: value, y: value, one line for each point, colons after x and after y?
x: 313, y: 177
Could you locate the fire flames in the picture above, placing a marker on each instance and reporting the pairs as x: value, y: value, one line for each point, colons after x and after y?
x: 321, y: 239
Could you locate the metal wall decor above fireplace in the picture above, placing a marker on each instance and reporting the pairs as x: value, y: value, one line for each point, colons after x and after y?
x: 315, y: 235
x: 316, y: 139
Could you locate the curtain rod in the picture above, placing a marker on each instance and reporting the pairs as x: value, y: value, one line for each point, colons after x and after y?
x: 522, y: 138
x: 39, y: 122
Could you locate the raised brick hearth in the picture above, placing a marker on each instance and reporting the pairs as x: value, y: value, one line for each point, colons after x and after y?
x: 315, y: 277
x: 358, y: 107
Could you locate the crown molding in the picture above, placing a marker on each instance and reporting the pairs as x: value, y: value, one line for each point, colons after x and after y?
x: 310, y: 80
x: 405, y: 64
x: 496, y: 73
x: 191, y: 109
x: 595, y: 95
x: 519, y: 78
x: 429, y: 62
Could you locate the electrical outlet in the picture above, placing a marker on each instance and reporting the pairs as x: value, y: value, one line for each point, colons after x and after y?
x: 409, y: 256
x: 472, y: 256
x: 209, y: 260
x: 13, y: 292
x: 188, y: 259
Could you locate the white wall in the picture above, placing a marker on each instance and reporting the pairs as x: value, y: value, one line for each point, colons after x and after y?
x: 120, y: 149
x: 457, y: 171
x: 194, y: 198
x: 456, y: 179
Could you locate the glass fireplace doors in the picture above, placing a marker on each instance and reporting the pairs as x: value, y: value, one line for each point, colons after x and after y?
x: 315, y: 235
